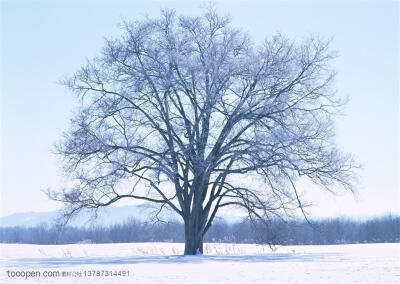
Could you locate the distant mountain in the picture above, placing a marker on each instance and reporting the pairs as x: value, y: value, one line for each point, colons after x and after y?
x: 106, y: 217
x: 28, y: 219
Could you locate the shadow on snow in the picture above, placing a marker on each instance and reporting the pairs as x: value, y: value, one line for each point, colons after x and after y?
x: 75, y: 261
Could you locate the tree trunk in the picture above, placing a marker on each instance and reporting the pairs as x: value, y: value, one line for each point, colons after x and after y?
x: 195, y: 222
x: 193, y: 238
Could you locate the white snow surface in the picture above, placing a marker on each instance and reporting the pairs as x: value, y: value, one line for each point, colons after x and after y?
x: 221, y: 263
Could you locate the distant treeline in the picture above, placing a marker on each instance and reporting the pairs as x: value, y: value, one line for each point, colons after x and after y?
x: 327, y: 231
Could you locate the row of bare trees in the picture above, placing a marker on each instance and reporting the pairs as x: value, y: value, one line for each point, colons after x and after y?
x: 328, y: 231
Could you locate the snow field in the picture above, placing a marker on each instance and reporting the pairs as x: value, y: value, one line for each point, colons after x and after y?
x: 221, y: 263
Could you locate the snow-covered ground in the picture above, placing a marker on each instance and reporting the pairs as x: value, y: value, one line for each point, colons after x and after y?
x: 222, y: 263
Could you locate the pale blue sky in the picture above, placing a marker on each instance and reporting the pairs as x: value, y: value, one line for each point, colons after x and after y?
x: 41, y: 42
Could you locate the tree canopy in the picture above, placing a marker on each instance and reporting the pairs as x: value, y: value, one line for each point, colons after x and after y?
x: 192, y: 114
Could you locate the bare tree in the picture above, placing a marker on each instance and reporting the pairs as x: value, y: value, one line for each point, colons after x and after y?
x: 189, y: 113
